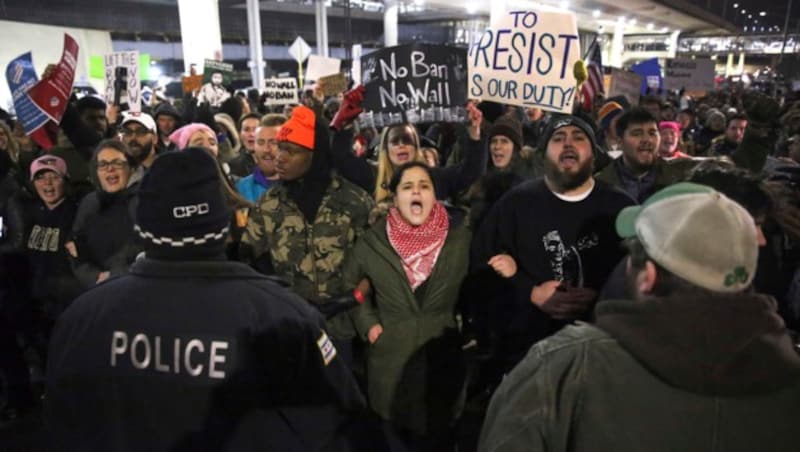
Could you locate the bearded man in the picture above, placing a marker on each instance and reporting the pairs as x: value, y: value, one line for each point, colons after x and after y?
x: 551, y: 241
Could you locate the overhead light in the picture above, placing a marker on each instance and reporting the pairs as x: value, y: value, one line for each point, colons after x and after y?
x: 596, y: 13
x: 755, y: 21
x: 762, y: 13
x: 419, y: 2
x: 622, y: 19
x: 744, y: 11
x: 735, y: 5
x: 665, y: 30
x: 632, y: 22
x: 745, y: 28
x: 749, y: 16
x: 471, y: 8
x: 762, y: 28
x: 564, y: 5
x: 650, y: 26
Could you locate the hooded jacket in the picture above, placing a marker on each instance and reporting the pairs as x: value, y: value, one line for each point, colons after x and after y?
x: 717, y: 373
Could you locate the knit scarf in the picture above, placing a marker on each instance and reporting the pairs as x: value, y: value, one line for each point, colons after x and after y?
x: 418, y: 246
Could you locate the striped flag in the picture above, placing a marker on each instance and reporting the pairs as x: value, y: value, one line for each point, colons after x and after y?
x: 594, y: 84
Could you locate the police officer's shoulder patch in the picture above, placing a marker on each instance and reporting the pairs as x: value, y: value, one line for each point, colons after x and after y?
x: 326, y: 348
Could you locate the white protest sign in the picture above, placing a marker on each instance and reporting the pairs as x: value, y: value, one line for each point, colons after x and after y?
x: 320, y: 66
x: 299, y: 50
x: 685, y: 73
x: 280, y: 91
x: 526, y: 58
x: 123, y: 67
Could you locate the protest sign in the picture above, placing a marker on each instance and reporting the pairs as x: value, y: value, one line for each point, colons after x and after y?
x: 685, y: 73
x: 625, y: 83
x: 333, y: 84
x: 650, y: 70
x: 320, y: 66
x: 280, y: 91
x: 191, y: 83
x: 52, y: 93
x: 122, y: 79
x: 21, y: 77
x: 217, y: 76
x: 415, y: 83
x: 526, y: 58
x: 211, y: 67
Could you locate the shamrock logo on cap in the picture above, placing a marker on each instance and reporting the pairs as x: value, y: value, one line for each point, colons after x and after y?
x: 738, y: 275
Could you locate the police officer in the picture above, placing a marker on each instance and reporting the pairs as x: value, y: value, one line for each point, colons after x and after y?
x: 188, y: 351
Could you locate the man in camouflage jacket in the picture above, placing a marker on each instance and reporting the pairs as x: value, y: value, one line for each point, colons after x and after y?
x: 304, y: 228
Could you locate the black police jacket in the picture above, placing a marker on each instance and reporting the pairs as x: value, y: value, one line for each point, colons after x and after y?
x: 195, y: 356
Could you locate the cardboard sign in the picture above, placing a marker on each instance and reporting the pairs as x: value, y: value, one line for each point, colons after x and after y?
x: 685, y: 73
x: 625, y: 83
x: 526, y: 58
x: 280, y: 91
x: 299, y: 50
x: 52, y: 93
x: 191, y: 83
x: 333, y: 84
x: 122, y: 79
x: 320, y: 66
x: 415, y: 83
x: 21, y: 77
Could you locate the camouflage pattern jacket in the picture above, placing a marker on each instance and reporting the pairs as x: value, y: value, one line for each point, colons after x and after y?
x: 310, y: 257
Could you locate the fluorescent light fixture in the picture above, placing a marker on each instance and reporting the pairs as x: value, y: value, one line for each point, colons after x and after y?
x: 762, y: 13
x: 471, y: 8
x: 650, y: 26
x: 665, y: 30
x: 596, y: 13
x: 632, y: 22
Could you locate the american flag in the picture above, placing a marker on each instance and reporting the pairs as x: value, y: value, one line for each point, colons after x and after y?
x: 594, y: 84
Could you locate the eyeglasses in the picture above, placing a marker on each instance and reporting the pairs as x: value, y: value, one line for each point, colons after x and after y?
x: 47, y: 176
x: 104, y: 165
x: 127, y: 133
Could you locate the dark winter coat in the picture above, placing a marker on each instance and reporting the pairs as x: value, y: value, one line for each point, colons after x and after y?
x: 104, y: 236
x: 190, y: 356
x: 664, y: 374
x: 415, y: 368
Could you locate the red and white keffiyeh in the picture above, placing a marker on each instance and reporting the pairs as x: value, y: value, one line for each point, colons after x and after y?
x: 418, y: 246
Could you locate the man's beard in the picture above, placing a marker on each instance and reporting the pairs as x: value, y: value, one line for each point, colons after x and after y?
x: 139, y: 153
x: 564, y: 181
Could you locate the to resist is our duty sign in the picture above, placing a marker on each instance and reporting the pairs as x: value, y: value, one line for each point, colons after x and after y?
x: 526, y: 58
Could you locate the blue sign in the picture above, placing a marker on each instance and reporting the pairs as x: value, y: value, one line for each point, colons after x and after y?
x: 650, y: 71
x: 21, y: 77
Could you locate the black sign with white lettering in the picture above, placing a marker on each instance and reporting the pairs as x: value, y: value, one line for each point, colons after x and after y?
x: 419, y: 81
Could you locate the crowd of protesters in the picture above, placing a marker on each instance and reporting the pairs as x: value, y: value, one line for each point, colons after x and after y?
x: 436, y: 255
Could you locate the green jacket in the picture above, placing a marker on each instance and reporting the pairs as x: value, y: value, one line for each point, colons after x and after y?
x: 662, y: 375
x: 415, y: 368
x: 310, y: 257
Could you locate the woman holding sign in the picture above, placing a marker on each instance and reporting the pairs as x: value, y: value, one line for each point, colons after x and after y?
x: 400, y: 144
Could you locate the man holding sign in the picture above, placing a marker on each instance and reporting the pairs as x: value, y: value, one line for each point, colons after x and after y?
x: 527, y: 59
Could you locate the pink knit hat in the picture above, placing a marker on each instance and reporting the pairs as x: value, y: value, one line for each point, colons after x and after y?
x: 181, y: 136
